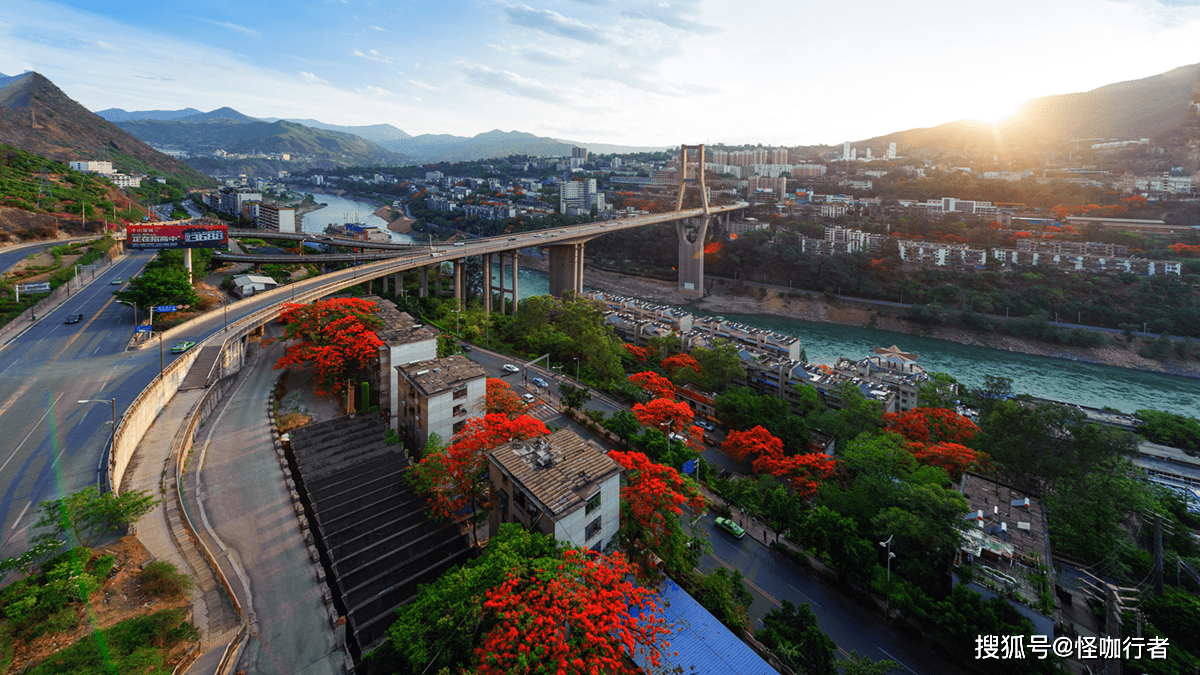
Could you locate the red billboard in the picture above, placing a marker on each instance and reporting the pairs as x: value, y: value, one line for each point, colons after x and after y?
x: 177, y: 235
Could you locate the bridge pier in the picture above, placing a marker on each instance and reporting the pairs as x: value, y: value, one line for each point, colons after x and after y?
x: 424, y: 282
x: 398, y: 284
x: 501, y: 287
x: 691, y: 257
x: 487, y: 283
x: 566, y: 268
x: 460, y: 289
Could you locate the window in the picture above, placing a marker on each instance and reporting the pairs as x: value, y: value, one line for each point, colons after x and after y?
x: 593, y: 503
x: 593, y: 528
x: 459, y: 426
x: 460, y: 392
x: 459, y: 410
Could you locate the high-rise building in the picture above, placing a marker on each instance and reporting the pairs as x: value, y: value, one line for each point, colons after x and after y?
x: 891, y: 151
x: 580, y: 153
x: 576, y: 196
x: 276, y: 218
x: 846, y: 150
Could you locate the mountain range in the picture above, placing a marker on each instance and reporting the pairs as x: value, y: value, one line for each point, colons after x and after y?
x: 159, y: 128
x: 1163, y: 108
x: 38, y: 117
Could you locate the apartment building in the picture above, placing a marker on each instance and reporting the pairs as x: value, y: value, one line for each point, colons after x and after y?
x: 559, y: 485
x: 276, y: 218
x: 438, y: 396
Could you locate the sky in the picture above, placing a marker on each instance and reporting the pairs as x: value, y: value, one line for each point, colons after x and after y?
x: 631, y: 72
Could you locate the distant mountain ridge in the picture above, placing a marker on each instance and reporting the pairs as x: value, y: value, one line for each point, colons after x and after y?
x: 119, y: 115
x: 1156, y: 107
x: 38, y: 117
x: 376, y: 133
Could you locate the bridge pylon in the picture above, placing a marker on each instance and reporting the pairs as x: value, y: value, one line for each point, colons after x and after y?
x: 691, y: 235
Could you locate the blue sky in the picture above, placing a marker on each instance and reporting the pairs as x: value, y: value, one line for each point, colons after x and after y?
x: 646, y: 73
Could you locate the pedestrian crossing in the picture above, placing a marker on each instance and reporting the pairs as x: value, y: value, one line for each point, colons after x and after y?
x: 543, y: 412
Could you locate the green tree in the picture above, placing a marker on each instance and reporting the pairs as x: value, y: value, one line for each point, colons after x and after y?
x: 1178, y: 431
x: 724, y: 594
x: 88, y: 516
x: 720, y: 365
x: 791, y: 632
x: 574, y: 397
x: 159, y: 286
x: 624, y: 424
x: 851, y: 556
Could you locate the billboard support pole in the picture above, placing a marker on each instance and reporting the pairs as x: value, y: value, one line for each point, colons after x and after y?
x: 187, y: 263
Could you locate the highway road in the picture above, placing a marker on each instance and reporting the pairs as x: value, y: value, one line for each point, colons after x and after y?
x: 49, y: 443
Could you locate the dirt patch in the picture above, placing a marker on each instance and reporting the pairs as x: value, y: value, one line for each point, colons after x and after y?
x: 298, y: 401
x: 403, y: 224
x: 120, y: 598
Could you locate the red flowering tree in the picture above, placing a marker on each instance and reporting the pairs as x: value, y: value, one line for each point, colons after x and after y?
x: 673, y: 364
x: 955, y: 458
x: 653, y: 384
x: 750, y: 444
x: 455, y: 477
x: 501, y: 399
x: 665, y: 415
x: 936, y: 437
x: 930, y: 425
x: 335, y: 337
x: 638, y: 353
x: 573, y: 618
x: 652, y: 501
x: 803, y: 473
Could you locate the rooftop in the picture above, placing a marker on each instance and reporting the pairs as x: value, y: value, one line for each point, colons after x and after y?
x: 398, y: 327
x: 560, y: 470
x: 438, y: 375
x: 1005, y: 520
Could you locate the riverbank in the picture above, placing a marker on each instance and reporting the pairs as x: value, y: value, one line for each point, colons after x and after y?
x: 403, y: 224
x: 737, y: 297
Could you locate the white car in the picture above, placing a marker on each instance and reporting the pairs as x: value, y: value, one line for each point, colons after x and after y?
x: 510, y: 368
x: 528, y: 398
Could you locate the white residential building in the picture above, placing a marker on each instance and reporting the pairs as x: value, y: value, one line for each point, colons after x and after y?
x: 439, y: 396
x: 276, y: 218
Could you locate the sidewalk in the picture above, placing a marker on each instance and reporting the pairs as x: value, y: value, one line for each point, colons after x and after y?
x: 163, y: 532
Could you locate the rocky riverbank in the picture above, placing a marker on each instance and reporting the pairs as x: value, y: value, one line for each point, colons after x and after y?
x: 737, y: 297
x: 403, y: 224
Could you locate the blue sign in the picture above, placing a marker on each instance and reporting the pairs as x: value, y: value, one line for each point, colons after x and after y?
x: 141, y: 329
x: 167, y: 308
x: 689, y: 466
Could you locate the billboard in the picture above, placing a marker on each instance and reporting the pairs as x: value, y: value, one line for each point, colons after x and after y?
x: 189, y: 234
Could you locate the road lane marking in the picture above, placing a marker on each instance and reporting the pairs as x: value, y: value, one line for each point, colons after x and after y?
x: 765, y: 594
x: 35, y: 426
x: 81, y: 330
x: 802, y: 594
x: 896, y: 660
x: 22, y: 515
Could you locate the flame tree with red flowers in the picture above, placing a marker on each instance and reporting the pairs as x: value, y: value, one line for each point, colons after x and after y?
x: 335, y: 337
x: 936, y: 437
x: 652, y: 502
x: 804, y: 473
x: 637, y: 353
x: 673, y: 364
x: 456, y: 477
x: 670, y: 417
x: 653, y: 384
x: 571, y: 618
x: 501, y: 399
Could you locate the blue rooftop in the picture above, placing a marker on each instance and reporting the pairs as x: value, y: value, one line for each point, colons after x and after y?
x: 700, y: 644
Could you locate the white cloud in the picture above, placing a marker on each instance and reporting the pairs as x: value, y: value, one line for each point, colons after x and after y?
x: 511, y: 83
x: 422, y: 85
x: 101, y: 44
x: 372, y: 90
x: 378, y: 28
x: 311, y: 78
x: 553, y: 23
x: 234, y: 27
x: 372, y: 55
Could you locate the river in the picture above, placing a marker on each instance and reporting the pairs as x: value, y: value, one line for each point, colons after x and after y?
x: 1058, y: 379
x: 341, y: 210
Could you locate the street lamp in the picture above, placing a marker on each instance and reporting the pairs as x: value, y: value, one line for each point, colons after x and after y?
x: 112, y: 439
x: 888, y: 596
x: 576, y: 368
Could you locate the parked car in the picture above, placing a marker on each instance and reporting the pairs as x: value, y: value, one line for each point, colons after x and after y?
x: 74, y: 318
x: 512, y: 238
x: 540, y: 382
x: 705, y: 425
x: 730, y: 527
x: 510, y: 368
x: 528, y: 398
x: 181, y: 347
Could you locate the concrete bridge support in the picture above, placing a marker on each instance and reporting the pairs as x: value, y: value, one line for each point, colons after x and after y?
x: 424, y: 282
x: 691, y: 257
x: 460, y: 287
x: 566, y: 268
x: 487, y: 283
x: 487, y: 263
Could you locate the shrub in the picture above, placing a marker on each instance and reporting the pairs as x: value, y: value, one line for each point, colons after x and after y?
x: 161, y: 580
x: 103, y: 566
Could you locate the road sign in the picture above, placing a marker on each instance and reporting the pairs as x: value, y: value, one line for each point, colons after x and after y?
x: 170, y: 308
x: 689, y: 466
x: 43, y: 287
x: 142, y: 329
